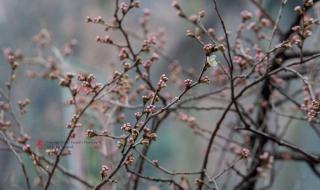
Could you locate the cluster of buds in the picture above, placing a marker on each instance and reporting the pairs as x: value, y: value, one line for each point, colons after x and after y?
x: 56, y: 151
x: 148, y: 136
x: 130, y: 140
x: 308, y: 3
x: 123, y: 54
x: 305, y: 31
x: 129, y: 160
x: 246, y: 15
x: 150, y: 109
x: 123, y: 7
x: 244, y: 154
x: 266, y: 162
x: 91, y: 133
x: 68, y: 48
x: 74, y: 122
x: 187, y: 83
x: 301, y: 9
x: 88, y: 84
x: 162, y: 82
x: 12, y: 57
x: 27, y: 149
x: 96, y: 20
x: 104, y: 171
x: 23, y: 105
x: 313, y: 110
x: 66, y: 80
x: 128, y: 128
x: 104, y: 40
x: 210, y: 48
x: 302, y: 33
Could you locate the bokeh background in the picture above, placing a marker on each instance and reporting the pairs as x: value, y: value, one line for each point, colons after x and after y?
x: 65, y: 19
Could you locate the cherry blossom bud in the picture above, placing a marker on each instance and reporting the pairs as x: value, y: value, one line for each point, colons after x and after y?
x: 244, y: 153
x: 104, y: 171
x: 299, y: 10
x: 188, y: 83
x: 193, y: 18
x: 246, y: 15
x: 202, y: 13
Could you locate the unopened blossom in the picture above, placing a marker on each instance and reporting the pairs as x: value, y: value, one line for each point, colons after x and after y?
x: 91, y: 133
x: 104, y: 170
x: 123, y: 7
x: 193, y: 18
x: 26, y: 148
x: 308, y: 3
x: 187, y: 83
x: 265, y: 22
x: 126, y: 127
x: 123, y: 54
x: 202, y: 13
x: 162, y: 82
x: 245, y: 153
x: 298, y: 9
x: 246, y: 15
x: 150, y: 109
x: 155, y: 162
